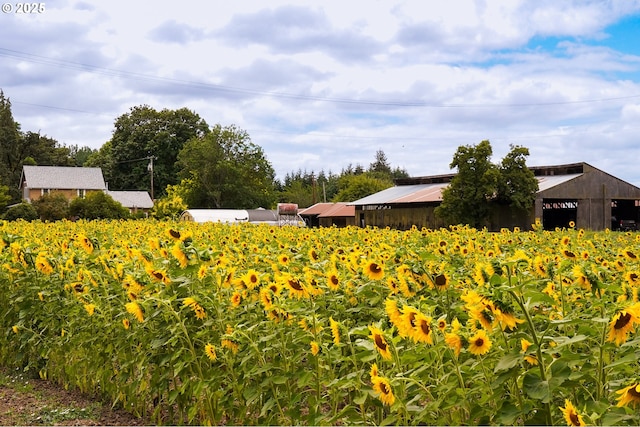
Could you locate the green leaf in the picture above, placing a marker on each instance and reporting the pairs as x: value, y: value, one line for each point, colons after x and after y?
x: 267, y: 406
x: 507, y: 362
x: 562, y: 341
x: 536, y: 388
x: 507, y: 414
x: 359, y: 400
x: 279, y: 379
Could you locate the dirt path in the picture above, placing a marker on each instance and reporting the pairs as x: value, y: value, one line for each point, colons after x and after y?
x: 28, y: 401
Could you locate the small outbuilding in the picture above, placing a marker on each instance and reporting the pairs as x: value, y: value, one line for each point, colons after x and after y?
x: 233, y: 216
x: 135, y: 201
x: 329, y: 214
x: 230, y: 216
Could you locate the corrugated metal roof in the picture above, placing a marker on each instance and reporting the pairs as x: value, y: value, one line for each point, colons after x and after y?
x: 63, y: 178
x: 132, y: 199
x: 416, y: 193
x: 316, y: 209
x: 339, y: 209
x: 548, y: 181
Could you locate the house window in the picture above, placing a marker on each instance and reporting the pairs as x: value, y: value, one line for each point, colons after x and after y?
x: 45, y: 191
x: 81, y: 193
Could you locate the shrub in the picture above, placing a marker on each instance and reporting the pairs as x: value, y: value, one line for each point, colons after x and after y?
x: 52, y: 207
x: 21, y: 211
x: 97, y: 205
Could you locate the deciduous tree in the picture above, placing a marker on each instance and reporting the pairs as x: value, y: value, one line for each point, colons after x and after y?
x: 518, y: 185
x: 467, y: 198
x: 140, y: 134
x: 227, y: 169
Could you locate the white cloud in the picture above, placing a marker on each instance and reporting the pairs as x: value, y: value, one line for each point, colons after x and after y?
x: 322, y: 85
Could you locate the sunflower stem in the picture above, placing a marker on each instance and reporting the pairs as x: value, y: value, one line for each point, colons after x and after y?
x: 534, y: 335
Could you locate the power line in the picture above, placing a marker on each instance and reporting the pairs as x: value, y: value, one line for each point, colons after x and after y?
x: 43, y: 60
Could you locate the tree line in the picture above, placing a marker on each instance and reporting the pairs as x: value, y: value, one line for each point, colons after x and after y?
x: 184, y: 162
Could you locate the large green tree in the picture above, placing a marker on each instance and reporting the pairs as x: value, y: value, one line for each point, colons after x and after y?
x: 227, y: 170
x: 518, y: 185
x: 10, y: 138
x: 467, y: 199
x: 19, y: 148
x: 143, y: 133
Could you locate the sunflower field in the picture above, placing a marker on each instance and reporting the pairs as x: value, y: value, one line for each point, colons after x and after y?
x: 192, y: 323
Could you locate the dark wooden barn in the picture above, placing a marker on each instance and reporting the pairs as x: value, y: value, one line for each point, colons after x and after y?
x: 574, y: 193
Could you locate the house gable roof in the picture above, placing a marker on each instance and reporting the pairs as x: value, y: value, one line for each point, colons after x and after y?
x: 62, y: 178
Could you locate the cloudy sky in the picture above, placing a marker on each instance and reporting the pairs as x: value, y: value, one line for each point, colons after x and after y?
x: 323, y: 84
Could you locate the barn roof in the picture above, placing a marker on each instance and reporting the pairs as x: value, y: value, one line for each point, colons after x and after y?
x: 316, y: 209
x: 62, y: 178
x: 426, y: 189
x: 413, y: 193
x: 338, y: 210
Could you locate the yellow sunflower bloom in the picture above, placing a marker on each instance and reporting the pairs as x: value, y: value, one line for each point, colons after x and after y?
x: 251, y: 279
x: 373, y: 270
x: 380, y: 343
x: 236, y: 299
x: 422, y: 331
x: 407, y: 321
x: 571, y: 415
x: 315, y: 348
x: 393, y: 312
x: 621, y: 324
x: 230, y: 344
x: 296, y: 288
x: 197, y: 308
x: 335, y: 330
x: 179, y: 254
x: 441, y: 281
x: 373, y: 372
x: 333, y: 280
x: 266, y: 298
x: 210, y: 351
x: 382, y: 388
x: 479, y: 343
x: 90, y: 308
x: 133, y: 308
x: 629, y: 395
x: 43, y: 265
x: 454, y: 341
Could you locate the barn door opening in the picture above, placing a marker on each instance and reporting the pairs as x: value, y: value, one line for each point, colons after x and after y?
x: 623, y: 212
x: 558, y: 213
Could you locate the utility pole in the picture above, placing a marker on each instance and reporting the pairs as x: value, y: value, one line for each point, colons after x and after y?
x: 150, y: 168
